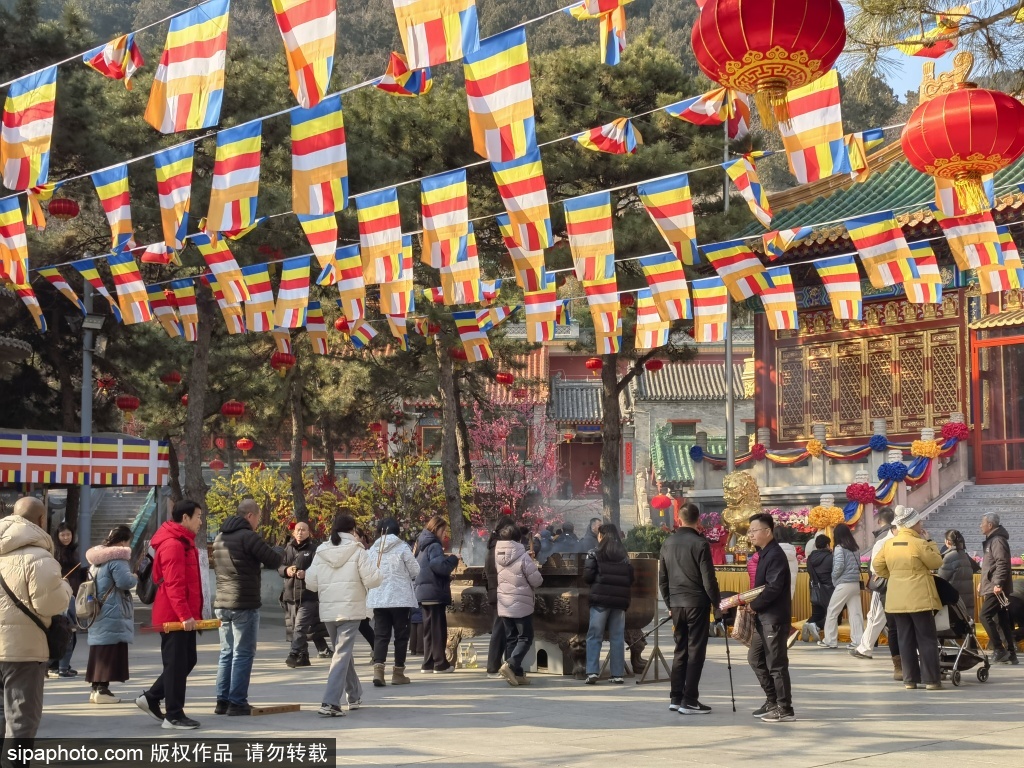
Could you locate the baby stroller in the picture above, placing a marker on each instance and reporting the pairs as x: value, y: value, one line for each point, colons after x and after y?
x: 959, y: 649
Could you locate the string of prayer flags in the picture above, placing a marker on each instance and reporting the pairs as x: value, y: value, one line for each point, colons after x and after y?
x: 588, y: 220
x: 524, y: 193
x: 131, y: 291
x: 401, y: 80
x: 436, y: 31
x: 710, y: 309
x: 316, y: 328
x: 188, y: 312
x: 1010, y: 275
x: 259, y: 309
x: 842, y: 283
x: 362, y: 334
x: 234, y: 319
x: 460, y: 280
x: 56, y: 279
x: 308, y: 28
x: 236, y: 178
x: 434, y: 294
x: 541, y: 307
x: 670, y: 207
x: 667, y: 284
x: 652, y: 330
x: 351, y: 285
x: 722, y: 105
x: 612, y: 26
x: 396, y: 296
x: 741, y: 270
x: 779, y: 300
x: 973, y: 239
x: 174, y: 189
x: 13, y: 242
x: 616, y: 138
x: 27, y: 128
x: 501, y: 97
x: 112, y: 188
x: 939, y: 38
x: 605, y: 310
x: 119, y: 59
x: 474, y: 340
x: 163, y: 311
x: 292, y: 293
x: 922, y: 281
x: 947, y: 202
x: 399, y: 327
x: 219, y: 259
x: 1011, y: 255
x: 778, y: 242
x: 188, y: 87
x: 858, y: 145
x: 489, y: 290
x: 813, y: 135
x: 744, y: 175
x: 319, y: 159
x: 87, y: 269
x: 879, y: 239
x: 380, y: 235
x: 33, y: 203
x: 444, y: 199
x: 160, y: 253
x: 527, y: 265
x: 31, y: 302
x: 282, y: 340
x: 492, y: 317
x: 322, y: 233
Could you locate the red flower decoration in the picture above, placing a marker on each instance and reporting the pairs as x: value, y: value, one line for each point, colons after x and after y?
x: 862, y: 493
x: 759, y: 451
x: 955, y: 429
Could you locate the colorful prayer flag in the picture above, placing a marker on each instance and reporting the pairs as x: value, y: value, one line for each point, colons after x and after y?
x: 436, y: 31
x: 541, y: 310
x: 740, y: 269
x: 56, y: 279
x: 225, y: 269
x: 361, y: 334
x: 588, y: 220
x: 174, y: 188
x: 616, y: 138
x: 31, y: 302
x: 308, y: 29
x: 87, y: 268
x: 164, y: 312
x: 501, y: 97
x: 282, y: 340
x: 667, y: 283
x: 119, y: 59
x: 351, y: 285
x: 399, y: 326
x: 857, y: 147
x: 606, y: 312
x: 842, y: 283
x: 316, y: 328
x: 400, y: 80
x: 259, y: 309
x: 26, y: 131
x: 744, y: 175
x: 714, y: 108
x: 948, y: 202
x: 778, y: 242
x: 380, y: 235
x: 612, y: 26
x: 396, y: 296
x: 1009, y: 276
x: 188, y: 311
x: 879, y: 239
x: 236, y: 178
x: 474, y: 340
x: 939, y: 38
x: 670, y: 207
x: 710, y: 309
x: 525, y: 195
x: 33, y: 203
x: 444, y: 199
x: 973, y: 239
x: 813, y: 134
x: 319, y: 158
x: 293, y: 293
x: 922, y: 280
x: 232, y: 313
x: 651, y: 329
x: 779, y: 300
x: 528, y: 265
x: 188, y: 87
x: 131, y: 291
x: 112, y: 188
x: 13, y: 241
x: 460, y: 280
x: 322, y: 233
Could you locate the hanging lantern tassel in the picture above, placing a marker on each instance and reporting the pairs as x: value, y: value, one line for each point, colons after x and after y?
x: 771, y: 102
x: 971, y: 193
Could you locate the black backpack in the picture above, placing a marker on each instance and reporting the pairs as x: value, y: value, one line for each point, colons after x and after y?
x: 146, y: 588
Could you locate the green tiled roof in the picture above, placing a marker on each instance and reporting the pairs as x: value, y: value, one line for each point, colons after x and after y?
x: 670, y: 457
x: 897, y: 187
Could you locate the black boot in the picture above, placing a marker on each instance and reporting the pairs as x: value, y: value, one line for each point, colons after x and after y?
x: 292, y: 660
x: 303, y: 660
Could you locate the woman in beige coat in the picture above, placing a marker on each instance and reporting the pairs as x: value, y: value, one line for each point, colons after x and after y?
x: 907, y: 561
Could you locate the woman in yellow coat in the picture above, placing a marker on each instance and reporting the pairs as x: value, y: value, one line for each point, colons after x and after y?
x: 907, y: 561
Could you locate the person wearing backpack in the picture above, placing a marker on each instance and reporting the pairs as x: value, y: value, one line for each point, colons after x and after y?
x: 110, y: 613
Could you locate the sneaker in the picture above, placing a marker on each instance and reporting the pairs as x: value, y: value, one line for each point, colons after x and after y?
x: 446, y: 670
x: 103, y: 696
x: 999, y: 657
x: 181, y: 724
x: 522, y: 680
x: 933, y: 686
x: 330, y: 710
x: 493, y: 676
x: 53, y: 674
x: 764, y: 709
x: 618, y: 680
x: 239, y: 710
x: 221, y: 708
x: 509, y: 676
x: 354, y: 705
x: 674, y: 705
x: 858, y: 655
x: 67, y: 673
x: 292, y: 661
x: 326, y: 653
x: 823, y: 644
x: 1013, y: 661
x: 851, y: 646
x: 910, y: 686
x: 427, y: 671
x: 591, y: 680
x: 695, y: 709
x: 815, y: 632
x: 150, y: 707
x: 779, y: 715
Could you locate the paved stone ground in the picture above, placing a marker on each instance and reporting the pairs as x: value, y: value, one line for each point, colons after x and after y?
x: 848, y: 711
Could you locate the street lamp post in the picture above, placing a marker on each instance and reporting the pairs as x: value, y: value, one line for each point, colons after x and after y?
x: 85, y: 500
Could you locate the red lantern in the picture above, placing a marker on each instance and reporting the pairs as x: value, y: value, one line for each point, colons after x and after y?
x: 184, y: 401
x: 520, y: 394
x: 232, y: 410
x: 507, y: 511
x: 505, y: 378
x: 105, y: 383
x: 963, y: 135
x: 216, y: 465
x: 568, y: 436
x: 376, y: 427
x: 594, y: 364
x: 259, y: 466
x: 128, y: 404
x: 654, y: 365
x: 282, y: 362
x: 171, y: 379
x: 63, y: 208
x: 221, y: 443
x: 660, y: 502
x: 245, y: 445
x: 627, y: 299
x: 767, y: 49
x: 458, y: 354
x: 341, y: 325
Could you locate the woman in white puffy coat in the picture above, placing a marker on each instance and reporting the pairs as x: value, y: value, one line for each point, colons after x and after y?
x: 341, y: 574
x: 392, y: 602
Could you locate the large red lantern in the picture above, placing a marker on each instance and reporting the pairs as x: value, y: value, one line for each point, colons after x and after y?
x: 654, y: 365
x: 627, y: 299
x: 376, y: 427
x: 258, y: 465
x: 232, y: 410
x: 245, y: 444
x: 768, y: 48
x: 505, y: 378
x: 459, y: 354
x: 216, y: 465
x: 341, y: 326
x: 520, y: 393
x: 128, y: 404
x: 171, y: 379
x: 63, y: 208
x: 594, y: 364
x: 963, y: 135
x: 660, y: 502
x: 282, y: 362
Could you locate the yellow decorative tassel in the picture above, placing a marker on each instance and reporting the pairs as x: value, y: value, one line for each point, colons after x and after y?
x: 971, y: 193
x: 770, y: 100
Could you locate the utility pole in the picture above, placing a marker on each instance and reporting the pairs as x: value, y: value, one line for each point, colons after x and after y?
x: 85, y: 497
x: 730, y: 405
x: 725, y: 173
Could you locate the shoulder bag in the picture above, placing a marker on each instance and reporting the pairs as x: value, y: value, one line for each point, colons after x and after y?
x: 58, y: 636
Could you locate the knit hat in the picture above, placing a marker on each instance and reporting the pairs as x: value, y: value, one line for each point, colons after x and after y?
x: 907, y: 517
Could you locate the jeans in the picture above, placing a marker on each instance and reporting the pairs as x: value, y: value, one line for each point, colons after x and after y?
x: 917, y: 636
x: 178, y: 654
x: 497, y: 649
x: 520, y: 638
x: 342, y: 676
x: 998, y: 625
x: 692, y: 626
x: 384, y: 620
x: 238, y: 630
x: 614, y: 620
x: 769, y: 658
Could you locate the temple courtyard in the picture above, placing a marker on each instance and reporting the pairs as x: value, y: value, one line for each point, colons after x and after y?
x: 848, y: 711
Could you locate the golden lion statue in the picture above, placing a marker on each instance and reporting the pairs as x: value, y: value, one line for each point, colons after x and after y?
x: 742, y: 499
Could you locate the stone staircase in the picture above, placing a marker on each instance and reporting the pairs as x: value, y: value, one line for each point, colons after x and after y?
x: 117, y: 506
x: 964, y: 509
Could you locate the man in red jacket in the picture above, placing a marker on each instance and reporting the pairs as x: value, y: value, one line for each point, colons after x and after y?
x: 179, y: 598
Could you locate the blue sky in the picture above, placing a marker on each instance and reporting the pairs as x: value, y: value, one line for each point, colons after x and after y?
x: 906, y: 76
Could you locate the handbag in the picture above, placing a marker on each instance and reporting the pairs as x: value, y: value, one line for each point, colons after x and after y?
x: 743, y: 627
x: 58, y: 636
x: 877, y: 584
x: 815, y: 594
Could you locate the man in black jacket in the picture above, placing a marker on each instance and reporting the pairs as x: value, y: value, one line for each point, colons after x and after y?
x: 302, y: 608
x: 238, y: 554
x: 995, y: 581
x: 690, y: 590
x: 768, y: 655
